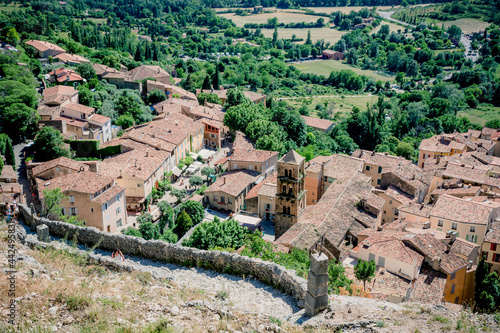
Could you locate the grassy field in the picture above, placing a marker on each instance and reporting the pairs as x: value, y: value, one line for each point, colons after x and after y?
x: 11, y: 7
x: 98, y: 20
x: 481, y: 115
x: 339, y: 107
x: 324, y: 67
x: 468, y: 25
x: 329, y: 35
x: 283, y: 17
x: 345, y: 10
x: 392, y: 27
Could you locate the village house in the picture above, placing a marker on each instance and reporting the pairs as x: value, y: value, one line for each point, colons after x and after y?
x: 394, y: 199
x: 229, y: 190
x: 10, y: 189
x: 60, y: 110
x: 376, y: 163
x: 451, y: 144
x: 138, y: 172
x: 65, y: 76
x: 45, y: 49
x: 41, y: 172
x: 169, y: 90
x: 254, y: 97
x: 261, y: 199
x: 331, y: 54
x: 71, y: 59
x: 93, y: 198
x: 346, y: 207
x: 101, y: 70
x: 261, y: 161
x: 491, y: 247
x: 133, y: 78
x: 469, y: 219
x: 415, y: 213
x: 323, y: 125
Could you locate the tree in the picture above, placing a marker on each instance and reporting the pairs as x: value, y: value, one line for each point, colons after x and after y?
x: 495, y: 123
x: 309, y: 40
x: 216, y: 78
x: 364, y: 271
x: 404, y: 149
x: 225, y: 234
x: 7, y: 150
x: 12, y: 36
x: 178, y: 193
x: 19, y: 120
x: 125, y: 121
x: 195, y: 181
x: 48, y: 145
x: 86, y: 71
x: 207, y: 171
x: 400, y: 78
x: 194, y: 209
x: 149, y: 230
x: 144, y: 218
x: 182, y: 224
x: 487, y: 288
x: 169, y: 236
x: 51, y: 203
x: 235, y: 97
x: 132, y: 232
x: 156, y: 96
x: 207, y: 97
x: 206, y: 83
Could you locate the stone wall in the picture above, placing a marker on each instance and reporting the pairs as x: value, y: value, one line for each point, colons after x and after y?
x: 265, y: 271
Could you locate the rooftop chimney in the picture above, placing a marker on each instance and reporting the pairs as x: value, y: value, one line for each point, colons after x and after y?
x: 224, y: 180
x: 147, y: 153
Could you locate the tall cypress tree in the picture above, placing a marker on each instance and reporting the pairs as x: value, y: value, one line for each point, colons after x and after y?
x: 206, y: 83
x: 216, y: 79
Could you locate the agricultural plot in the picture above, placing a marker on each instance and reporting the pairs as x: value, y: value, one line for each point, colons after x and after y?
x: 392, y: 27
x: 325, y: 67
x: 329, y: 35
x: 481, y: 115
x: 345, y: 10
x: 468, y: 25
x: 282, y: 16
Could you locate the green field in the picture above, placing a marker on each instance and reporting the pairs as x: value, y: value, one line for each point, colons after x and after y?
x: 339, y: 107
x: 481, y: 115
x: 325, y: 67
x: 11, y: 7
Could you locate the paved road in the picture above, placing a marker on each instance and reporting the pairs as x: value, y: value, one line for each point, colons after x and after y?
x: 474, y: 56
x: 323, y: 96
x: 21, y: 170
x: 387, y: 15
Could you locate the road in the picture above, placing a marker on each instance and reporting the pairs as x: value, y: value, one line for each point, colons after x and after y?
x: 474, y: 56
x: 323, y: 96
x: 387, y: 15
x: 21, y: 170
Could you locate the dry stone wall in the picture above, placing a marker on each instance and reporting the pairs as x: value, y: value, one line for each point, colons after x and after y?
x: 267, y: 272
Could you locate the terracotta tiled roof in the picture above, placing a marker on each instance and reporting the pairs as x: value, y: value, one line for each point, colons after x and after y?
x: 488, y: 131
x: 314, y: 165
x: 100, y: 119
x: 78, y: 108
x: 321, y: 124
x: 342, y: 167
x: 441, y: 144
x: 292, y: 157
x: 8, y: 173
x: 493, y: 234
x: 268, y: 190
x: 253, y: 155
x: 134, y: 163
x: 83, y: 182
x: 253, y: 96
x: 241, y: 142
x: 73, y: 122
x: 417, y: 209
x: 379, y: 159
x: 463, y: 247
x: 398, y: 195
x: 66, y: 75
x: 233, y: 182
x: 71, y: 58
x: 102, y: 69
x: 59, y: 162
x: 44, y: 46
x: 461, y: 191
x: 461, y: 210
x: 255, y: 191
x: 391, y: 245
x: 145, y: 71
x: 429, y: 287
x: 108, y: 194
x: 470, y: 174
x: 474, y: 133
x: 59, y: 90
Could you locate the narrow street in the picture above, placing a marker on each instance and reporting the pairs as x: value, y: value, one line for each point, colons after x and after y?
x: 21, y: 170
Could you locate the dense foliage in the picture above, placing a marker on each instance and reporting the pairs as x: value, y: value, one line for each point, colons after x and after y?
x: 223, y: 234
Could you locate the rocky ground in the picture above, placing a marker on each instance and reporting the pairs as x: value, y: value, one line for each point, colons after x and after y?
x: 59, y: 290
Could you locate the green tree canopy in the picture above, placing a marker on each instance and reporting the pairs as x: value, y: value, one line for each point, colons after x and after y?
x: 182, y: 224
x: 194, y: 209
x: 86, y: 71
x: 364, y: 271
x: 225, y: 234
x: 149, y: 230
x: 49, y: 145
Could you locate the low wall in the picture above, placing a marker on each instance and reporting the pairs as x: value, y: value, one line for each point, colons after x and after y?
x: 265, y: 271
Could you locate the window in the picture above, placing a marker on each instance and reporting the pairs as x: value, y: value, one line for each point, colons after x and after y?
x: 471, y: 238
x: 493, y: 247
x: 91, y: 210
x: 379, y: 169
x: 223, y: 199
x: 250, y: 167
x: 58, y: 169
x: 212, y: 136
x: 484, y: 255
x: 229, y: 201
x: 63, y: 211
x: 454, y: 226
x: 453, y: 289
x: 456, y: 300
x: 378, y: 181
x: 288, y: 212
x: 105, y: 206
x: 118, y: 197
x: 284, y: 188
x: 139, y: 185
x: 284, y: 210
x: 440, y: 223
x: 118, y: 210
x: 71, y: 199
x: 496, y: 257
x: 367, y: 168
x: 215, y: 198
x: 472, y: 228
x: 452, y: 276
x: 73, y: 211
x: 267, y: 164
x: 119, y: 223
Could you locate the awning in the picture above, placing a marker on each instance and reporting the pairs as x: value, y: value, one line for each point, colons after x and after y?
x: 176, y: 171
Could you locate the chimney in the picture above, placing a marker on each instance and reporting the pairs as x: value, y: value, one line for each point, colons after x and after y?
x: 224, y: 180
x: 469, y: 264
x: 67, y: 77
x: 436, y: 263
x: 147, y: 153
x: 427, y: 225
x: 135, y: 163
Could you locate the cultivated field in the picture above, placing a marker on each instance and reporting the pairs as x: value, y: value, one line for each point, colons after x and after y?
x: 481, y: 115
x: 283, y: 17
x: 345, y: 10
x: 11, y: 7
x: 392, y: 27
x: 468, y: 25
x: 329, y: 35
x: 325, y: 67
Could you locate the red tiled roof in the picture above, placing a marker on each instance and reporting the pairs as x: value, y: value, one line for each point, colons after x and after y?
x: 108, y: 194
x: 8, y: 172
x: 83, y: 182
x: 493, y: 234
x: 59, y: 162
x: 44, y: 46
x: 461, y: 210
x: 134, y: 163
x: 59, y: 90
x: 78, y: 108
x: 100, y: 119
x: 253, y: 193
x: 253, y: 155
x: 322, y: 124
x: 233, y: 182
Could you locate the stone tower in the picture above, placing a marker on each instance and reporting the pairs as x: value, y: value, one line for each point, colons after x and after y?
x: 290, y: 194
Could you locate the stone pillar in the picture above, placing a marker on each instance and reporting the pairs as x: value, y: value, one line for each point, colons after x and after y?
x: 42, y: 232
x: 317, y: 285
x: 33, y: 211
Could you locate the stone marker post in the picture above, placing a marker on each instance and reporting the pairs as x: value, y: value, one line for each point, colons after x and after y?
x: 42, y: 232
x: 317, y: 285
